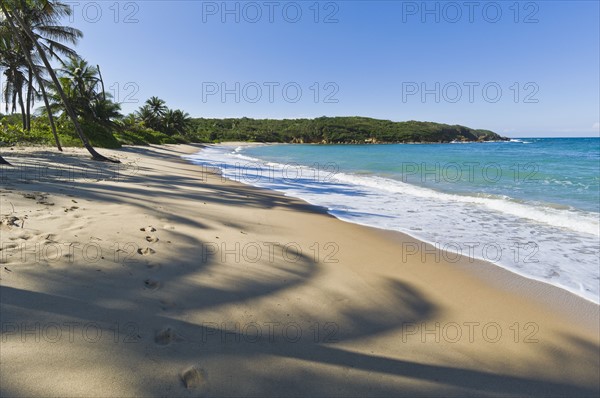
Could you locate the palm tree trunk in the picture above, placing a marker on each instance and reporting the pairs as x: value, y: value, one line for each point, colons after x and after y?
x: 29, y: 99
x: 45, y: 96
x: 13, y: 109
x: 22, y: 106
x: 47, y: 104
x: 102, y: 83
x: 50, y: 117
x: 42, y: 54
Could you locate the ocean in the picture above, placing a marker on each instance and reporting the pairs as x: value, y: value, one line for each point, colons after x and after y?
x: 529, y: 205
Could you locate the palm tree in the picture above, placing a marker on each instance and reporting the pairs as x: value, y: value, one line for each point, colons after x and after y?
x: 83, y: 76
x: 157, y: 116
x: 42, y: 23
x: 129, y: 120
x: 157, y: 106
x: 82, y: 85
x: 41, y: 19
x: 180, y: 120
x: 37, y: 71
x: 12, y: 61
x: 51, y: 12
x: 10, y: 50
x: 106, y: 111
x: 169, y: 121
x: 78, y: 80
x: 147, y: 116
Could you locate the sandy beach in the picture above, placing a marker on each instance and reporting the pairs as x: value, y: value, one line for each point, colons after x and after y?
x: 157, y: 277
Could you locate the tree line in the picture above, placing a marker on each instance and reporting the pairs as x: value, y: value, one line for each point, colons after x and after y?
x: 335, y: 130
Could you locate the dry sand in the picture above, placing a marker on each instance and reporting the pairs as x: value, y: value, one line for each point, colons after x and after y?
x: 162, y: 279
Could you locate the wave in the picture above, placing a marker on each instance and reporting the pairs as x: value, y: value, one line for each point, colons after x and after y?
x: 567, y: 218
x: 570, y: 219
x: 520, y: 141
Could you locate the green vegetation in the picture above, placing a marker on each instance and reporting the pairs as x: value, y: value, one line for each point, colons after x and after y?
x: 332, y: 130
x: 77, y: 111
x: 135, y: 130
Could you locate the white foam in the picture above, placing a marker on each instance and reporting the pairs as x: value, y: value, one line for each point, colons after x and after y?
x: 519, y: 141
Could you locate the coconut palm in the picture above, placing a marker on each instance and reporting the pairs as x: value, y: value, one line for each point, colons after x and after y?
x: 81, y: 84
x: 50, y: 12
x: 106, y: 111
x: 169, y: 121
x: 157, y: 106
x: 176, y: 121
x: 14, y: 43
x: 147, y: 116
x: 82, y: 76
x: 13, y: 62
x: 129, y: 120
x: 42, y: 19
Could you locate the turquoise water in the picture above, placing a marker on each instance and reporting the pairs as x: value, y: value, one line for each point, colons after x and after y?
x: 530, y: 205
x: 557, y: 171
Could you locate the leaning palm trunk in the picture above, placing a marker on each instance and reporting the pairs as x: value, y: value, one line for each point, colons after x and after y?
x: 42, y: 54
x: 102, y: 83
x: 22, y: 106
x: 29, y: 99
x: 46, y: 103
x: 50, y: 117
x: 33, y: 70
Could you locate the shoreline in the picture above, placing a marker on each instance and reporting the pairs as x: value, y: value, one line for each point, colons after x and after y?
x: 186, y: 296
x: 566, y: 303
x: 471, y: 259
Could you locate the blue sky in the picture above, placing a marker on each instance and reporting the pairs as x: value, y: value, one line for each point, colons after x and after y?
x: 520, y: 69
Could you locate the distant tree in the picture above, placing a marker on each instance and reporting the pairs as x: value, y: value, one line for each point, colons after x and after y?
x: 82, y: 86
x: 146, y: 116
x: 176, y: 121
x: 157, y: 107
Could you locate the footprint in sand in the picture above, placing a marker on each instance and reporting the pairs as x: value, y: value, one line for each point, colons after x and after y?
x: 149, y: 228
x: 72, y: 208
x: 10, y: 221
x: 24, y: 236
x: 40, y: 198
x: 193, y: 378
x: 151, y: 239
x: 165, y: 336
x: 151, y: 284
x: 51, y: 238
x: 146, y: 252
